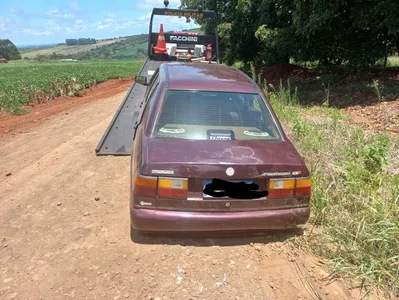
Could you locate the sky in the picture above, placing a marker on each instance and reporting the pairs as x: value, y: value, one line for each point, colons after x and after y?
x: 34, y: 22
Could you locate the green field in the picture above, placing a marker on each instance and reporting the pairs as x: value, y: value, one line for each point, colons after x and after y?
x: 65, y: 49
x: 25, y: 83
x: 131, y: 52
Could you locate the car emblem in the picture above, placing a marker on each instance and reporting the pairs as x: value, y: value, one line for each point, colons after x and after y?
x: 230, y: 171
x: 168, y: 172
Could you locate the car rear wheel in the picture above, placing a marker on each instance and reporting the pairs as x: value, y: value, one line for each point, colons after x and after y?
x: 136, y: 235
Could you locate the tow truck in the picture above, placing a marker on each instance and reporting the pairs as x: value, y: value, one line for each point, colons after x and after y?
x: 118, y: 137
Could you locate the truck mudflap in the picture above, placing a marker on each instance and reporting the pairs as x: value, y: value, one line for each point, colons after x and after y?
x: 118, y: 138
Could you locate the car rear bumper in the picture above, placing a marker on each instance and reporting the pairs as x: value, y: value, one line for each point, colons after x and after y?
x: 164, y: 221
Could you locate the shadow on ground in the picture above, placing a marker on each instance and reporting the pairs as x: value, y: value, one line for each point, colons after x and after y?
x: 215, y: 239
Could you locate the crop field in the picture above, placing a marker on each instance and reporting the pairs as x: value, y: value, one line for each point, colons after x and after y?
x: 28, y: 83
x: 131, y: 52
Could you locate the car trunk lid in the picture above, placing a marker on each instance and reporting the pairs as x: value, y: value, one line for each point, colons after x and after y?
x: 210, y: 159
x: 201, y: 161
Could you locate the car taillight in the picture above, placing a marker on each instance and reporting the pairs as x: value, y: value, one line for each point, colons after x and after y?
x: 303, y: 187
x: 281, y: 188
x: 145, y: 186
x: 172, y: 188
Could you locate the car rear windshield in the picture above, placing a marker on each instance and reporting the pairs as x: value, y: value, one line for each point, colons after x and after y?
x: 203, y: 115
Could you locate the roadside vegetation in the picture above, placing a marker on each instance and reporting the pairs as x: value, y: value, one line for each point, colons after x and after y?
x: 29, y: 83
x: 355, y: 177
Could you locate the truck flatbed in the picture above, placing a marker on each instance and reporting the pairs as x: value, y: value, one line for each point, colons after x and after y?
x: 118, y: 138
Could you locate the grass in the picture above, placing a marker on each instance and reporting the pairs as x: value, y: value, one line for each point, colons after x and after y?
x: 27, y: 83
x: 392, y: 62
x: 355, y: 202
x: 345, y: 87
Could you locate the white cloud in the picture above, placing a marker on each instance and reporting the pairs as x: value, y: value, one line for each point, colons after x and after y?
x: 68, y: 17
x: 50, y: 28
x: 157, y: 3
x: 66, y: 22
x: 16, y: 10
x: 53, y: 26
x: 123, y: 25
x: 57, y: 14
x: 145, y: 17
x: 3, y: 23
x: 53, y: 12
x: 36, y: 32
x: 74, y: 5
x: 103, y: 25
x: 172, y: 23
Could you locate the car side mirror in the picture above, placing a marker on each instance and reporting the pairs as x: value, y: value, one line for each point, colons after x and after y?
x: 141, y: 79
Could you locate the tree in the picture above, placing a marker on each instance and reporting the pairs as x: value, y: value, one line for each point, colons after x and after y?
x: 265, y: 32
x: 80, y: 41
x: 8, y: 50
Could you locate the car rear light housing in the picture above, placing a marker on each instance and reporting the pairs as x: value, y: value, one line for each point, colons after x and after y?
x: 172, y: 188
x: 145, y: 185
x: 303, y: 187
x: 162, y: 187
x: 289, y: 187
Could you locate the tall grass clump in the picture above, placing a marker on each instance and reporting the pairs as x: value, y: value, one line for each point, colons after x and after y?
x: 355, y: 190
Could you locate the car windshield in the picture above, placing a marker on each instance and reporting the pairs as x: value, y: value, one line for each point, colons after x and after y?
x: 203, y: 115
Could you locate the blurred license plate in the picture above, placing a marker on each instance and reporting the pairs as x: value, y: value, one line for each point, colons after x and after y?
x: 210, y: 181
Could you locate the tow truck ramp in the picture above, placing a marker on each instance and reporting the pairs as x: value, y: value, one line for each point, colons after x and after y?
x: 118, y: 138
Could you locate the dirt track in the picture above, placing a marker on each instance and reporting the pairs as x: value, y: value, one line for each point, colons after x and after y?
x: 57, y: 242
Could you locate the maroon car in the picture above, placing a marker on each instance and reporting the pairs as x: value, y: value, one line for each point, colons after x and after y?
x: 210, y: 155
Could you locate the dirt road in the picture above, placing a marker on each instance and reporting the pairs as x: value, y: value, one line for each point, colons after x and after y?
x: 58, y: 242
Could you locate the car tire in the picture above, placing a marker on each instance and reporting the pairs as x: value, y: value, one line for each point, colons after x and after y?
x: 134, y: 234
x: 137, y: 236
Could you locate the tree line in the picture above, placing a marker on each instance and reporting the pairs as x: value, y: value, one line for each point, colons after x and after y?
x: 80, y: 41
x: 266, y: 32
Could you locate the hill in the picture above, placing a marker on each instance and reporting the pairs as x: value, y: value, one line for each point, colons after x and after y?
x: 132, y: 47
x: 129, y: 47
x: 64, y: 49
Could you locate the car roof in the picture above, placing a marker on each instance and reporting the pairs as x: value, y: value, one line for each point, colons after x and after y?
x: 204, y: 76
